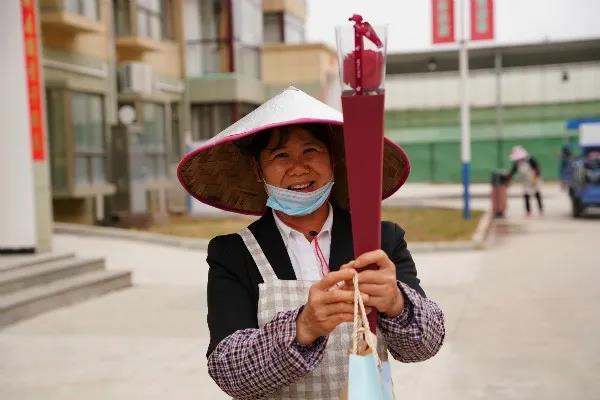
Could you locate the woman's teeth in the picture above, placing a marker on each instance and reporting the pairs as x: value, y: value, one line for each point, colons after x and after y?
x: 300, y: 187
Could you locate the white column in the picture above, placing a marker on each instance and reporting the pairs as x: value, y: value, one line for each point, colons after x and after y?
x: 17, y: 205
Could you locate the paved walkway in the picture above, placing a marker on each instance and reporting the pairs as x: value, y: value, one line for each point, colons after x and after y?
x: 522, y: 321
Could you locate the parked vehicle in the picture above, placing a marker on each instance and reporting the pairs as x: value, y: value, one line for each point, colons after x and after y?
x: 580, y: 173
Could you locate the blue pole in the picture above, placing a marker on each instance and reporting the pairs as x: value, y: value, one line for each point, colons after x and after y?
x: 466, y: 175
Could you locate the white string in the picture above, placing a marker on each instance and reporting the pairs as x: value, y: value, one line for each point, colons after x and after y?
x: 361, y: 323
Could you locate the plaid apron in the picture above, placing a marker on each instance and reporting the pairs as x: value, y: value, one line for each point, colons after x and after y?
x: 275, y: 295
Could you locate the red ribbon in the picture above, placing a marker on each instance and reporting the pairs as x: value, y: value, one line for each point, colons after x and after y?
x: 367, y: 70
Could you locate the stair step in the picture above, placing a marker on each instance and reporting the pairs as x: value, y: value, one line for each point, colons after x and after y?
x: 29, y: 302
x: 27, y: 276
x: 8, y: 263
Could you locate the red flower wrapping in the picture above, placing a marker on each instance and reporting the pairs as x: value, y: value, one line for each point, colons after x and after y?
x: 372, y: 62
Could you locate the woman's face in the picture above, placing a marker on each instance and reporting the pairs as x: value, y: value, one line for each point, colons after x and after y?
x: 301, y: 162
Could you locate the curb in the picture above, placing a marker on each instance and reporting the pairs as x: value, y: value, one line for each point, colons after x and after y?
x: 128, y: 234
x: 476, y: 242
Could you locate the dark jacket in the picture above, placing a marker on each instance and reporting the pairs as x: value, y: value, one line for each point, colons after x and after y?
x: 233, y: 277
x: 532, y: 162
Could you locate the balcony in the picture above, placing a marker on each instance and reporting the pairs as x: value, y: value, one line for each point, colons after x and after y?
x: 137, y: 44
x: 139, y: 30
x: 71, y: 16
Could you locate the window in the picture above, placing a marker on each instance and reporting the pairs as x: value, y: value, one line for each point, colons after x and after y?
x: 248, y: 36
x: 210, y: 119
x: 283, y: 28
x: 293, y: 29
x: 153, y: 141
x: 86, y: 8
x: 153, y: 19
x: 122, y: 17
x: 87, y: 117
x: 207, y: 37
x: 175, y: 133
x: 209, y: 44
x: 273, y: 27
x: 55, y: 104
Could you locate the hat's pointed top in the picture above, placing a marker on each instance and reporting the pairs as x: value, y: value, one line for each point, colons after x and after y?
x: 291, y: 106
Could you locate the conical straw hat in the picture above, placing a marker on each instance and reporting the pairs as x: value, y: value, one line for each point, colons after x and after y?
x: 219, y: 174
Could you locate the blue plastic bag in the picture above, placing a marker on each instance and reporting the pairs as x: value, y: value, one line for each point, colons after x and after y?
x: 369, y: 378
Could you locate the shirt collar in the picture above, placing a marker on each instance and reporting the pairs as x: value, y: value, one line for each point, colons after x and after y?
x: 286, y: 231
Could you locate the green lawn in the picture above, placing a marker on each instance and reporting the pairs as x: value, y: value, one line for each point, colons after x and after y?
x: 420, y: 224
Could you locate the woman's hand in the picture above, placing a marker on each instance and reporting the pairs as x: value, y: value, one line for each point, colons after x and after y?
x: 378, y: 284
x: 327, y: 307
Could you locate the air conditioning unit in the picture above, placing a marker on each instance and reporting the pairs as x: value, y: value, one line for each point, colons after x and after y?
x: 136, y: 77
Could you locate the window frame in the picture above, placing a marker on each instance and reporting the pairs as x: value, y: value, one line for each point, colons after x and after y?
x: 164, y: 18
x: 153, y: 154
x: 89, y: 154
x: 80, y: 9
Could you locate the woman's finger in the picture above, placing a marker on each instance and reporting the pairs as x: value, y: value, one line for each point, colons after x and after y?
x: 333, y: 278
x: 376, y: 277
x: 340, y: 296
x: 337, y: 319
x: 374, y: 290
x: 338, y: 308
x: 375, y: 257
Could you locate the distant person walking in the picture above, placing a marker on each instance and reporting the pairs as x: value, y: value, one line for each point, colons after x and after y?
x: 530, y: 173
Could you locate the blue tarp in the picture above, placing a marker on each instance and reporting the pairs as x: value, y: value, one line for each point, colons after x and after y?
x: 575, y: 122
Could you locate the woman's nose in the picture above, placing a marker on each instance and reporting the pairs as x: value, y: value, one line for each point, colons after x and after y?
x: 298, y: 167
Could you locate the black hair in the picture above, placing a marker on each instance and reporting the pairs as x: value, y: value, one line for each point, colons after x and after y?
x: 257, y: 143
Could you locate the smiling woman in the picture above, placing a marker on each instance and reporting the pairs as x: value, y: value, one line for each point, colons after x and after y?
x: 278, y: 318
x: 295, y: 165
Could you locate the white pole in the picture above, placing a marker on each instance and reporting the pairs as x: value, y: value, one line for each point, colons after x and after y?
x: 465, y: 117
x: 17, y: 206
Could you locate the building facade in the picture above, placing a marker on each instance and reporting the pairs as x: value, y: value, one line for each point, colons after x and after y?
x: 518, y: 94
x: 131, y: 84
x: 112, y: 67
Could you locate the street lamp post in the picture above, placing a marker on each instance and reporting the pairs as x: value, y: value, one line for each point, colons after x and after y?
x: 465, y: 117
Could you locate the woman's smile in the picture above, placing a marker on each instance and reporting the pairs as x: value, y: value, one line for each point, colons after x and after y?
x: 303, y: 187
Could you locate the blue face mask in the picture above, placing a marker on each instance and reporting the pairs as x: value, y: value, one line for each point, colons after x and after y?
x: 295, y: 203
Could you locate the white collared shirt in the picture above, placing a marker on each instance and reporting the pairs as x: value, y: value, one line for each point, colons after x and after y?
x: 303, y: 253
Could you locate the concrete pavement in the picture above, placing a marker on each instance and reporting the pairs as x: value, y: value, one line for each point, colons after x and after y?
x: 522, y: 321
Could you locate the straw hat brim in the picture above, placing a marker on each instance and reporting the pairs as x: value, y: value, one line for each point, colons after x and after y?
x: 218, y: 174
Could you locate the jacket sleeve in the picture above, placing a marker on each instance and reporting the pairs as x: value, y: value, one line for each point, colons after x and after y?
x: 418, y: 332
x: 254, y: 363
x: 230, y: 299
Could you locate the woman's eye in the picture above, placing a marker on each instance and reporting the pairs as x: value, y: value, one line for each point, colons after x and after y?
x: 280, y: 155
x: 310, y: 150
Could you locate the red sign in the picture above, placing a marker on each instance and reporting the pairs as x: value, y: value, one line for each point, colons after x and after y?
x: 482, y: 19
x: 443, y: 21
x: 34, y: 83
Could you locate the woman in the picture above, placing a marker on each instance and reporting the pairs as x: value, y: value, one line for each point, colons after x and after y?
x: 529, y: 170
x: 278, y: 310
